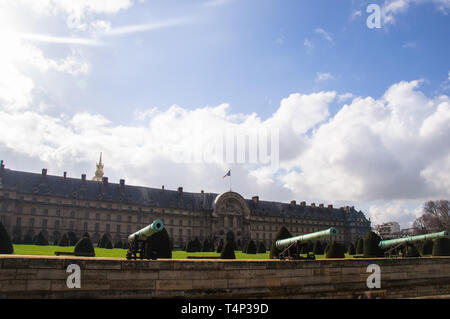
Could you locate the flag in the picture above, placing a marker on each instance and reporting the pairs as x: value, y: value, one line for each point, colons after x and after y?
x: 227, y: 174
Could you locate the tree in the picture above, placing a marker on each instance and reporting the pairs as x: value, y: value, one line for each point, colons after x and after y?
x: 371, y: 248
x: 6, y: 246
x: 84, y: 247
x: 441, y: 247
x: 427, y: 247
x: 351, y: 249
x: 109, y: 245
x: 41, y: 240
x: 435, y: 217
x: 261, y: 248
x: 220, y: 246
x: 103, y: 241
x: 64, y: 241
x: 228, y: 251
x: 360, y: 247
x: 205, y: 246
x: 72, y: 238
x: 251, y: 248
x: 282, y: 234
x: 335, y: 250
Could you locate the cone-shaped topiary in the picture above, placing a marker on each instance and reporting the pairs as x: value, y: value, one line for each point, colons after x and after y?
x: 261, y: 248
x: 190, y: 246
x: 335, y: 250
x: 103, y: 241
x: 205, y: 246
x: 118, y: 244
x: 6, y: 246
x: 109, y: 245
x: 41, y: 240
x: 84, y: 247
x: 251, y: 248
x: 371, y: 248
x: 351, y: 249
x: 360, y: 247
x: 318, y: 248
x: 197, y: 244
x: 427, y: 247
x: 64, y: 241
x: 282, y: 234
x: 412, y: 251
x: 441, y: 247
x: 228, y: 251
x: 160, y: 245
x: 220, y: 246
x: 72, y: 238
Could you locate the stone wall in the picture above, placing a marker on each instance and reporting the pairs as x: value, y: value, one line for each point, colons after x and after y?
x: 46, y: 277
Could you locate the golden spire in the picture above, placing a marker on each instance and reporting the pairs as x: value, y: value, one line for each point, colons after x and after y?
x: 99, y: 172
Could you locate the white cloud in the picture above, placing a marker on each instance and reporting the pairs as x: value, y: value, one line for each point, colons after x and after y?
x: 394, y: 211
x: 391, y: 8
x: 114, y: 31
x: 325, y: 34
x: 323, y: 76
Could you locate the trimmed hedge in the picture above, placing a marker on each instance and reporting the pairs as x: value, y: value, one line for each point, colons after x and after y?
x: 335, y: 250
x: 371, y: 248
x: 441, y: 247
x: 351, y: 249
x: 282, y: 234
x: 64, y: 241
x: 228, y: 251
x: 360, y: 246
x: 84, y: 246
x: 427, y: 247
x: 261, y: 248
x: 103, y: 241
x: 109, y: 245
x: 412, y: 251
x: 220, y: 246
x: 40, y: 240
x: 6, y: 246
x: 251, y: 247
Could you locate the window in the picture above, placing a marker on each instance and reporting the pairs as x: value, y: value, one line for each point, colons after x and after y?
x: 97, y: 227
x: 86, y: 215
x: 31, y: 222
x: 45, y: 212
x: 118, y: 228
x: 107, y: 228
x: 129, y: 229
x: 72, y: 214
x: 56, y: 224
x: 97, y: 216
x: 58, y: 212
x: 19, y: 209
x: 85, y: 226
x: 180, y: 222
x: 129, y: 219
x: 18, y: 221
x: 71, y: 224
x: 44, y: 224
x: 33, y: 211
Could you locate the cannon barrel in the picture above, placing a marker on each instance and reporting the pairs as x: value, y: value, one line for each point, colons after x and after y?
x: 147, y: 231
x: 302, y: 238
x: 411, y: 239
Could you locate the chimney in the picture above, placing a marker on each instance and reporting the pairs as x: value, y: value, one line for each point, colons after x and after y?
x: 293, y: 203
x: 320, y: 205
x: 255, y: 200
x: 347, y: 209
x: 313, y: 205
x: 352, y: 208
x: 105, y: 181
x: 83, y: 178
x: 44, y: 172
x: 330, y: 207
x: 2, y: 165
x: 162, y: 187
x: 180, y: 190
x: 122, y: 185
x: 65, y: 175
x: 202, y: 191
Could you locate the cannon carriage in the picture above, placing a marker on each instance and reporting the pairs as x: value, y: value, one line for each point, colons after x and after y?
x: 138, y: 247
x: 398, y: 247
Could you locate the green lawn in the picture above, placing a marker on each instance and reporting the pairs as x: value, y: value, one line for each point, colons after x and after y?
x: 121, y: 253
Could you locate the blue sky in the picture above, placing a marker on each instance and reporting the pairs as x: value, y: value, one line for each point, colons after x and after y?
x: 122, y: 76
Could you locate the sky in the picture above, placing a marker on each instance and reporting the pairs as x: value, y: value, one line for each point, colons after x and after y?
x: 334, y: 111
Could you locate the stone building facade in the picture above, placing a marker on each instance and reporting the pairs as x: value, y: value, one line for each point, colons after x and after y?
x: 31, y: 203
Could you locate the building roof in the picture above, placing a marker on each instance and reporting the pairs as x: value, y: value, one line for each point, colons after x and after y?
x: 74, y: 188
